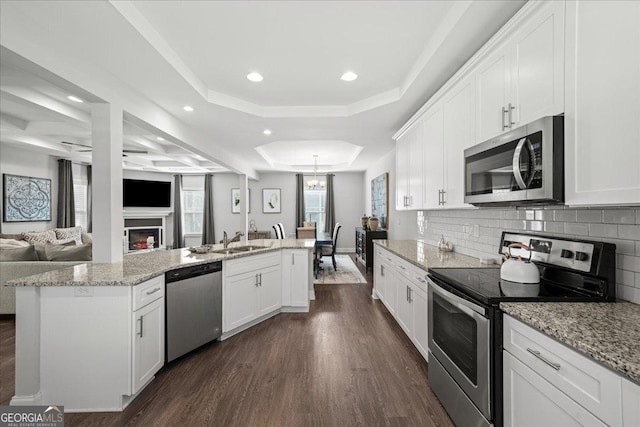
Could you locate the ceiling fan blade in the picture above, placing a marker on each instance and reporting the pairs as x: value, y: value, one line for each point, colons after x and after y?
x: 135, y: 151
x: 75, y: 143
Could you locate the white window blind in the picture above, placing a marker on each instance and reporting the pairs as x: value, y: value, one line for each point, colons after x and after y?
x: 314, y: 206
x: 192, y: 208
x: 80, y: 201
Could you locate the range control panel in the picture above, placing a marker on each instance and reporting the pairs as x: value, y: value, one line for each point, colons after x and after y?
x: 551, y: 250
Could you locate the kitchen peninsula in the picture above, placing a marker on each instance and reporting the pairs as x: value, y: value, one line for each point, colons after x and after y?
x: 91, y: 337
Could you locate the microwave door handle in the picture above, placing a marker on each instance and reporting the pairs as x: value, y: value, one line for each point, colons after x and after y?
x: 516, y: 164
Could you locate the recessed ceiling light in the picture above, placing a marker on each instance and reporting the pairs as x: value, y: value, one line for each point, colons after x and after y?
x: 159, y: 138
x: 255, y: 77
x: 188, y: 108
x: 74, y: 98
x: 349, y: 76
x: 267, y: 131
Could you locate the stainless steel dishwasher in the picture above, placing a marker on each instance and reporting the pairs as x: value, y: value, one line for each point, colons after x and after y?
x: 194, y: 308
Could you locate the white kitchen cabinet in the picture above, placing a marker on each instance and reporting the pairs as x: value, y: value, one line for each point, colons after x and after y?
x: 391, y: 293
x: 531, y: 401
x: 433, y: 158
x: 379, y: 276
x: 404, y: 313
x: 521, y: 79
x: 148, y: 343
x: 251, y: 288
x: 297, y: 271
x: 409, y: 168
x: 547, y: 381
x: 602, y: 129
x: 420, y: 336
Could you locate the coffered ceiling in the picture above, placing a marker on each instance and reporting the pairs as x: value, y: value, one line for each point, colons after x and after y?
x: 155, y: 57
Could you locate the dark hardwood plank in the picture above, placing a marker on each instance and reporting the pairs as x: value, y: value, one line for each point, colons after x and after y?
x: 347, y: 362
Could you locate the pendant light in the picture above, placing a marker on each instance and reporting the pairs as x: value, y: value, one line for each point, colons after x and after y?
x: 314, y: 184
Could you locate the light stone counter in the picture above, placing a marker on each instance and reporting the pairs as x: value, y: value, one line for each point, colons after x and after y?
x: 426, y: 256
x: 137, y: 268
x: 607, y: 332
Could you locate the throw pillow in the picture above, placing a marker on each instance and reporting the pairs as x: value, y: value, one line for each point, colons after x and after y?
x: 40, y: 236
x: 27, y: 253
x: 68, y: 253
x: 74, y: 233
x: 18, y: 236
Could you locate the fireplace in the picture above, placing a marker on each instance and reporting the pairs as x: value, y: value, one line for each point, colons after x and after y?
x: 138, y: 236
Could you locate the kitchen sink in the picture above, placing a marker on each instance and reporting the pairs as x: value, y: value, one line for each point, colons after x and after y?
x: 236, y: 250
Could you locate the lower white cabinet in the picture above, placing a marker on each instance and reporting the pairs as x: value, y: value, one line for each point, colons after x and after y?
x: 548, y: 383
x: 297, y: 272
x: 251, y: 288
x: 403, y: 290
x: 531, y: 401
x: 148, y: 343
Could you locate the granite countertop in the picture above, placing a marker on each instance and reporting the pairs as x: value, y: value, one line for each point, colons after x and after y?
x: 426, y: 256
x: 607, y: 332
x: 138, y: 267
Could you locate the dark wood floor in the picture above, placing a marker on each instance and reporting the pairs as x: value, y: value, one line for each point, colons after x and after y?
x: 345, y: 363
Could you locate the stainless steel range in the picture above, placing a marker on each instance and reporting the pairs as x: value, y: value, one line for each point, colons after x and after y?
x: 465, y: 322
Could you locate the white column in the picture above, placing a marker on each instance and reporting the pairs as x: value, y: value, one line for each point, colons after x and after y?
x: 27, y: 379
x: 243, y: 181
x: 108, y: 223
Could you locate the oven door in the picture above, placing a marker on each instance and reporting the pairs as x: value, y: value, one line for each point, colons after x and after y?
x: 459, y: 338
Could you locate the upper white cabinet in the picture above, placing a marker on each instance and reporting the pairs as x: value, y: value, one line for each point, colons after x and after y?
x: 602, y: 120
x: 409, y: 168
x: 522, y: 78
x: 433, y: 155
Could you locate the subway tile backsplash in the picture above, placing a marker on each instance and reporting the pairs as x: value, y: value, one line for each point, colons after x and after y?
x: 476, y: 232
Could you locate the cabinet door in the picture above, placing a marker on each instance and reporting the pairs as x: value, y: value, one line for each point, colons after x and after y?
x: 392, y: 278
x: 538, y: 65
x: 299, y: 274
x: 492, y: 82
x: 269, y: 291
x: 602, y: 129
x: 379, y: 274
x: 420, y: 321
x: 402, y: 171
x: 529, y: 400
x: 148, y: 343
x: 459, y: 129
x: 433, y: 155
x: 240, y: 296
x: 404, y: 313
x: 416, y: 166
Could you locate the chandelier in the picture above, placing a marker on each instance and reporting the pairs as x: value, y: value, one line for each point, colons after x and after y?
x: 314, y: 184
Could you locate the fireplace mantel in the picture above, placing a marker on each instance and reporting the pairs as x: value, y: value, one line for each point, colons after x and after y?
x: 146, y: 213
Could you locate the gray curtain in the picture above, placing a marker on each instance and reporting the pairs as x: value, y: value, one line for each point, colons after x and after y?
x: 300, y: 214
x: 66, y: 204
x: 330, y: 207
x: 208, y: 234
x: 89, y: 199
x: 178, y: 235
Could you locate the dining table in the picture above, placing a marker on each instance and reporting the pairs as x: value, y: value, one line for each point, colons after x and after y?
x: 322, y: 239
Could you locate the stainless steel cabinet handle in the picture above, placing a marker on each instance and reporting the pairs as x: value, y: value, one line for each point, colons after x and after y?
x: 420, y: 279
x: 402, y: 267
x: 260, y: 279
x: 511, y: 122
x: 141, y: 326
x: 505, y: 111
x: 153, y: 291
x: 382, y: 270
x: 257, y: 284
x: 293, y: 259
x: 410, y: 291
x: 537, y: 354
x: 443, y: 198
x: 407, y: 292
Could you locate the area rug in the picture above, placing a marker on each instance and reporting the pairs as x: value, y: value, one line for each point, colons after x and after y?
x: 347, y: 271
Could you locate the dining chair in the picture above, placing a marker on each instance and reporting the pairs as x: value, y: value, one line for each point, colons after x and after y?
x: 276, y: 229
x: 327, y: 250
x: 282, y: 233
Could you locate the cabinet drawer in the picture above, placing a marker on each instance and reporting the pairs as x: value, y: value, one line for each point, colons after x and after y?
x: 250, y: 263
x: 583, y: 380
x: 414, y: 274
x: 147, y: 292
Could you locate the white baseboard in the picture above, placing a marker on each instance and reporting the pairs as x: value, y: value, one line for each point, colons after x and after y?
x: 312, y: 295
x: 34, y: 399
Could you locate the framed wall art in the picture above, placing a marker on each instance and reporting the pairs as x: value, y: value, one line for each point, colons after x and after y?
x: 271, y: 200
x: 235, y: 201
x: 26, y: 198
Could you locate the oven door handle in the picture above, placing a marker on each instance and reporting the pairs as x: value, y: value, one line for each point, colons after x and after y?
x: 460, y: 303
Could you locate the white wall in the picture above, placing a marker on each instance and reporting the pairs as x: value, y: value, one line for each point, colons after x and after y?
x: 286, y: 182
x: 401, y: 224
x: 349, y: 207
x: 16, y: 161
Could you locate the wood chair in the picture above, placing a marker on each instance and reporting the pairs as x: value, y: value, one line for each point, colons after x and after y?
x: 327, y: 250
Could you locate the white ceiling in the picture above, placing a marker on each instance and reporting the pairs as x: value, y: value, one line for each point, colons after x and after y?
x: 172, y: 53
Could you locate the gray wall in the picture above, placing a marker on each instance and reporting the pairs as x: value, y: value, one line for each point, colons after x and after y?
x: 16, y: 161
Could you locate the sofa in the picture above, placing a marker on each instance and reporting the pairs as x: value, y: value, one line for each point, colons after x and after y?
x: 29, y: 253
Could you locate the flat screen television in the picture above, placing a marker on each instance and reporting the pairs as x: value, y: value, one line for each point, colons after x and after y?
x: 146, y: 194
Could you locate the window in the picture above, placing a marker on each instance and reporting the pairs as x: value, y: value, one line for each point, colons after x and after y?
x: 192, y: 209
x: 80, y: 201
x: 314, y: 206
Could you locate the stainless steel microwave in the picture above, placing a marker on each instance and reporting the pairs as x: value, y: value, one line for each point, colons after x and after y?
x: 521, y: 167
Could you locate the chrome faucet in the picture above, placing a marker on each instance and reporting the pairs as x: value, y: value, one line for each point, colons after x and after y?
x: 226, y: 240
